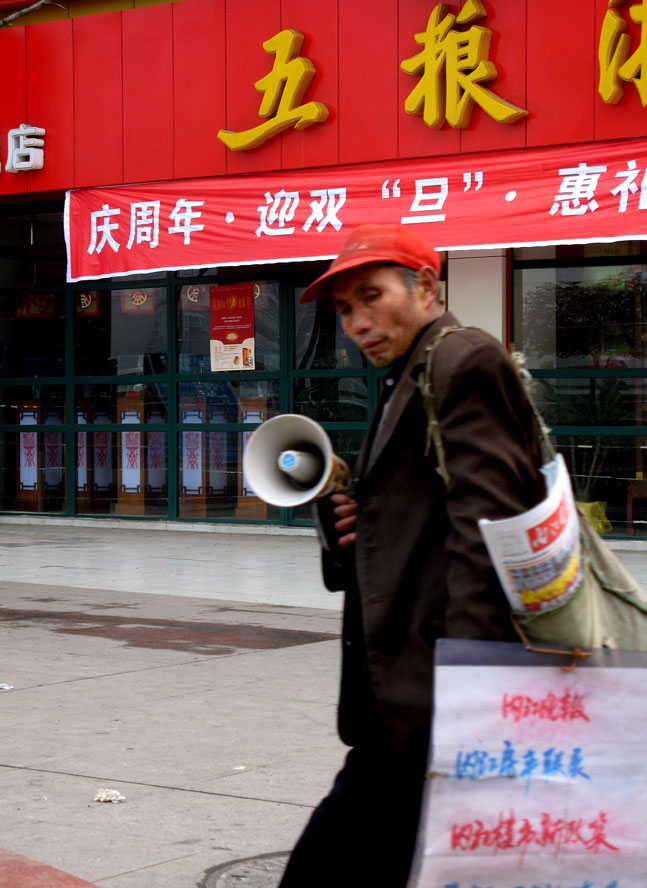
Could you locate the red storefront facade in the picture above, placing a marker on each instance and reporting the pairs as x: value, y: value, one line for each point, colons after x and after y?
x: 140, y: 96
x: 200, y: 139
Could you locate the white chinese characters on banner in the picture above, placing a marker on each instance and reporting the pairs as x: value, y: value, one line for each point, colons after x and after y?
x: 183, y: 216
x: 628, y: 186
x: 144, y: 224
x: 428, y: 200
x: 533, y: 784
x: 577, y: 191
x: 325, y: 209
x: 281, y: 207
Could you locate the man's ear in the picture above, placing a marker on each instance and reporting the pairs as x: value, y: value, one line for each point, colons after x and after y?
x: 428, y: 278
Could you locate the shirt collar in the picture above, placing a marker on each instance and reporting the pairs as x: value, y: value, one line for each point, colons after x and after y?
x: 394, y: 372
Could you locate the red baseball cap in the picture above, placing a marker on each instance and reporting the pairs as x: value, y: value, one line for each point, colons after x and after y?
x: 375, y: 243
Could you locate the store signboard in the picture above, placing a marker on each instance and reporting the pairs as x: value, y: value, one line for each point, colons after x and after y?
x: 575, y: 194
x: 537, y: 776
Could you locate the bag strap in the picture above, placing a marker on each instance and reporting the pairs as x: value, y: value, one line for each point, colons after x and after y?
x: 433, y: 426
x: 426, y: 387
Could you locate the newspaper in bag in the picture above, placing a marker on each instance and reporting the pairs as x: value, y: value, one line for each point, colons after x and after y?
x: 537, y: 555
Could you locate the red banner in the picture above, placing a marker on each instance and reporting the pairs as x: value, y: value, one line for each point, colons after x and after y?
x: 576, y: 194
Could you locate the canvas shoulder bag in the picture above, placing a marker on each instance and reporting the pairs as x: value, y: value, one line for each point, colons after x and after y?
x: 608, y: 608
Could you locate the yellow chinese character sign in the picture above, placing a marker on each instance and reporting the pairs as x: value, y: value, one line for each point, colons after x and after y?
x: 453, y: 65
x: 616, y: 64
x: 284, y: 88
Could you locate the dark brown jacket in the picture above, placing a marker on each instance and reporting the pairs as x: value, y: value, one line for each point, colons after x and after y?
x: 421, y: 567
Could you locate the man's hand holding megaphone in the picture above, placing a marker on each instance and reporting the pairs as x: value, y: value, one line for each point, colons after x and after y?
x: 346, y: 511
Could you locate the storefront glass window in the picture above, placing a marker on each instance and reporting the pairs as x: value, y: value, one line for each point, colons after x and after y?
x: 194, y: 323
x: 219, y: 402
x: 582, y: 317
x: 107, y: 403
x: 320, y: 343
x: 581, y: 321
x: 32, y: 470
x: 609, y: 474
x: 122, y: 473
x: 212, y: 482
x: 341, y: 399
x: 120, y: 332
x: 32, y: 334
x: 32, y: 403
x: 32, y: 251
x: 150, y: 429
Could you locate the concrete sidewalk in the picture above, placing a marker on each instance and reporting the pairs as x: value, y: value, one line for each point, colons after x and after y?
x: 194, y: 672
x: 213, y: 716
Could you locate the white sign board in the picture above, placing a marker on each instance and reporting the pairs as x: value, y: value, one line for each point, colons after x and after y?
x: 538, y: 779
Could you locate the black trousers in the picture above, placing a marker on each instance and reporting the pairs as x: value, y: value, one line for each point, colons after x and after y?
x: 363, y: 833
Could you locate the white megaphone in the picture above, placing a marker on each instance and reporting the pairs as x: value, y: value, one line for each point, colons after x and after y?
x: 289, y: 461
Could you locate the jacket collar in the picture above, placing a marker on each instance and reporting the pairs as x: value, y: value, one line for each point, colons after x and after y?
x: 378, y: 434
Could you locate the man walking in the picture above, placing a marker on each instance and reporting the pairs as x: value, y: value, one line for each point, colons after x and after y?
x: 406, y: 547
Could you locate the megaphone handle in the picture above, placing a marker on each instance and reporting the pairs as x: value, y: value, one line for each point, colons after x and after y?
x: 325, y: 520
x: 337, y: 562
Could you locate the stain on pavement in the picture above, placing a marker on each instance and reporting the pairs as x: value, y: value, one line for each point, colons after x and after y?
x: 210, y: 639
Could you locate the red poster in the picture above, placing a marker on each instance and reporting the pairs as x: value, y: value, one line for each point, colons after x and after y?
x: 231, y: 327
x: 565, y: 194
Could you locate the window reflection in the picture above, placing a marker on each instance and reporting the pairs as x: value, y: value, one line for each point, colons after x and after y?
x: 592, y: 401
x: 590, y: 323
x: 32, y: 467
x: 342, y: 399
x: 608, y: 474
x: 32, y: 334
x: 42, y: 401
x: 212, y: 483
x: 105, y: 403
x: 319, y: 342
x: 218, y: 402
x: 120, y: 332
x: 122, y: 473
x: 593, y: 317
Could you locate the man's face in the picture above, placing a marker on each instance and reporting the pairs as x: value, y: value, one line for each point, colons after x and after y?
x: 380, y: 314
